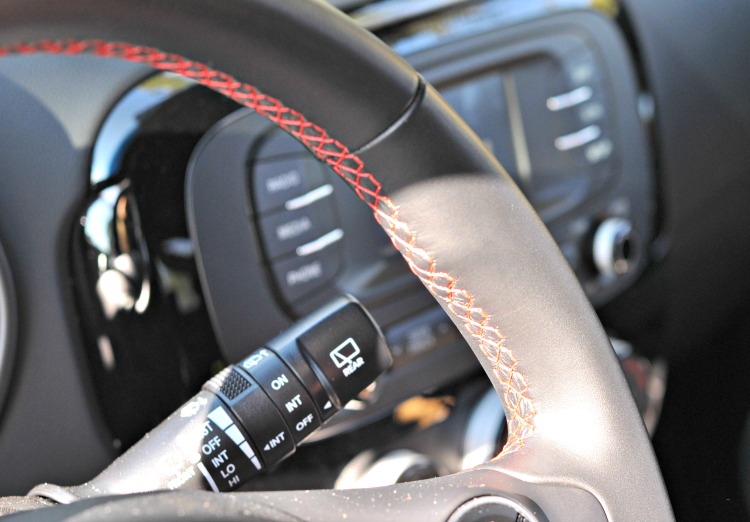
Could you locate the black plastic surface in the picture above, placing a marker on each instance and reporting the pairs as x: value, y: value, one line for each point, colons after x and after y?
x: 263, y: 422
x: 348, y: 349
x: 241, y: 304
x: 692, y: 308
x: 36, y: 245
x: 132, y: 266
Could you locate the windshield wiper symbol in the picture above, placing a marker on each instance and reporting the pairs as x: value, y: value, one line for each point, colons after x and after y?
x: 345, y: 353
x: 346, y: 357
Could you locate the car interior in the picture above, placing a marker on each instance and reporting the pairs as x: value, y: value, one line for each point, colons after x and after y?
x: 547, y: 318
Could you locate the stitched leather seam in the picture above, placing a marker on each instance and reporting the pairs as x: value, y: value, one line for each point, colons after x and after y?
x: 520, y: 408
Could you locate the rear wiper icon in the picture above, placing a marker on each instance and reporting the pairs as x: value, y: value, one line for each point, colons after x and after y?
x: 345, y: 353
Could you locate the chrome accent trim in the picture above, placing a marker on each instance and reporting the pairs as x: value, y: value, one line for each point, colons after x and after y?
x: 517, y: 131
x: 309, y: 198
x: 483, y: 430
x: 8, y: 323
x: 607, y: 247
x: 387, y: 470
x: 487, y: 500
x: 570, y: 99
x: 646, y: 108
x: 58, y: 494
x: 390, y: 12
x: 319, y: 244
x: 578, y: 139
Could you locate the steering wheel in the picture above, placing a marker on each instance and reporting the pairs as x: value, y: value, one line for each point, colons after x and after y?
x: 577, y: 448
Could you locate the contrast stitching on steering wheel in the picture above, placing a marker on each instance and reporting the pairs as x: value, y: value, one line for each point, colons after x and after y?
x: 520, y: 408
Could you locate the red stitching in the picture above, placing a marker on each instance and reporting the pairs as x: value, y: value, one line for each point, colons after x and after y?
x: 521, y: 409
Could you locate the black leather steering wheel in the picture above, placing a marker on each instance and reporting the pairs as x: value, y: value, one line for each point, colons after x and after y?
x: 577, y: 447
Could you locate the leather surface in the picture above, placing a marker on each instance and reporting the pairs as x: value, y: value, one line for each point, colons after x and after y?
x: 474, y: 240
x: 425, y: 500
x: 584, y: 429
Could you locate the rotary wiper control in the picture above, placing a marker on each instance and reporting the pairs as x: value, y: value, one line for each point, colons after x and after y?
x: 260, y: 409
x: 253, y: 414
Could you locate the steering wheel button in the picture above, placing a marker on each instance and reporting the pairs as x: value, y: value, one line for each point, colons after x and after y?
x: 298, y: 276
x: 287, y: 393
x: 276, y: 181
x: 348, y: 349
x: 284, y: 231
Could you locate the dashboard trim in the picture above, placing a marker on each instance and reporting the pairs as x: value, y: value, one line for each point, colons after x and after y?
x: 8, y: 322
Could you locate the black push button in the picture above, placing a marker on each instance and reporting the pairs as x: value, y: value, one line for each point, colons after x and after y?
x: 285, y: 390
x: 284, y: 231
x: 299, y: 276
x: 277, y: 181
x: 257, y: 415
x: 349, y: 350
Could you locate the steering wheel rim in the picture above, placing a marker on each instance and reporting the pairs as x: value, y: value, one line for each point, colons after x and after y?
x: 405, y: 153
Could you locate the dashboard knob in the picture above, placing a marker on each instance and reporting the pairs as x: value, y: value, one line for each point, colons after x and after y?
x: 616, y: 247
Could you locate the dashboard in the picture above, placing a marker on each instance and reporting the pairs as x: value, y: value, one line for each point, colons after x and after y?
x: 557, y: 91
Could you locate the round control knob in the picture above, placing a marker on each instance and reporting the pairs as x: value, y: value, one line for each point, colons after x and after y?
x: 616, y: 247
x: 492, y: 508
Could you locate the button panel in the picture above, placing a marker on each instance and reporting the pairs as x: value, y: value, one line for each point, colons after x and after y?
x: 295, y: 217
x: 586, y: 136
x: 563, y: 102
